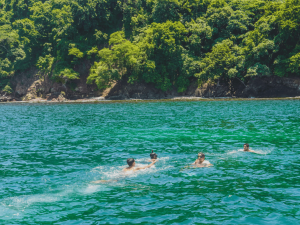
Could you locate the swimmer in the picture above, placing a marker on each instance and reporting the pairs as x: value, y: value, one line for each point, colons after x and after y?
x: 201, y: 162
x: 131, y: 168
x: 246, y: 148
x: 153, y: 156
x: 131, y: 165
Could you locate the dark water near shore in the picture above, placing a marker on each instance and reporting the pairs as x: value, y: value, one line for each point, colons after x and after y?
x: 49, y: 154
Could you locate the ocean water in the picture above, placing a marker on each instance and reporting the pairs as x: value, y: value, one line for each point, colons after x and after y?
x: 51, y: 153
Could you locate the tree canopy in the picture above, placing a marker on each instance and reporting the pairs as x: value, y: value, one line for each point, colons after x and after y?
x: 163, y: 42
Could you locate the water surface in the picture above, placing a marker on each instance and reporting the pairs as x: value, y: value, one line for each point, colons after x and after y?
x: 50, y: 154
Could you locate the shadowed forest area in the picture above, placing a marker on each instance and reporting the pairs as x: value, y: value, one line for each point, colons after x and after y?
x: 161, y: 42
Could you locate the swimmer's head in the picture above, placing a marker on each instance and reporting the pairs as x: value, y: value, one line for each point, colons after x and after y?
x: 130, y: 162
x: 153, y: 155
x: 246, y: 147
x: 201, y: 157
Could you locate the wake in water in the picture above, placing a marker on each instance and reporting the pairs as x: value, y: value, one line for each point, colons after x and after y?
x: 115, y: 174
x: 91, y: 188
x: 261, y: 152
x: 15, y: 206
x: 21, y: 202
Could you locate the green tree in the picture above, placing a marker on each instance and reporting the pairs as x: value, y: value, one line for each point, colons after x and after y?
x: 7, y: 89
x: 163, y: 44
x: 11, y: 51
x: 164, y: 10
x: 225, y: 61
x: 122, y: 59
x: 45, y: 66
x: 28, y: 37
x: 199, y: 36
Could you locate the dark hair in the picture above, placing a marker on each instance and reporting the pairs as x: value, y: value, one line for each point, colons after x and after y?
x: 201, y: 155
x: 153, y: 155
x: 247, y: 144
x: 130, y: 161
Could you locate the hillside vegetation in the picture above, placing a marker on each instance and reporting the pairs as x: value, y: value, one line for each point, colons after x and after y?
x: 163, y: 42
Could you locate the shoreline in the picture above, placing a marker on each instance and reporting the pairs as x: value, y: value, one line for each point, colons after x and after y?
x: 174, y: 99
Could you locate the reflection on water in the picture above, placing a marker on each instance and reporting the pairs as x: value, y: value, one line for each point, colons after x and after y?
x: 50, y: 154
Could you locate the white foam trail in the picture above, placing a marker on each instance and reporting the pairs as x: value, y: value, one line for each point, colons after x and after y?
x: 262, y: 152
x: 91, y: 188
x: 108, y: 172
x: 24, y: 201
x: 7, y: 213
x: 233, y: 152
x: 117, y: 173
x: 13, y: 207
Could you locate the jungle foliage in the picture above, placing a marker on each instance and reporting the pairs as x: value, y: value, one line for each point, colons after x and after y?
x: 164, y: 42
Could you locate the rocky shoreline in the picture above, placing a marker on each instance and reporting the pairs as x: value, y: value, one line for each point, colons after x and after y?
x: 33, y: 89
x: 103, y: 100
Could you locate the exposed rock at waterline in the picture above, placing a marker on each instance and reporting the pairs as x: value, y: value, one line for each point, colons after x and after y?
x: 28, y: 86
x: 271, y: 87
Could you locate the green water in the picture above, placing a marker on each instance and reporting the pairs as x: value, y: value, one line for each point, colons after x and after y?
x: 50, y: 154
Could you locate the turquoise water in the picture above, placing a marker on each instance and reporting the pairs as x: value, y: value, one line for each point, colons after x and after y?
x: 50, y: 154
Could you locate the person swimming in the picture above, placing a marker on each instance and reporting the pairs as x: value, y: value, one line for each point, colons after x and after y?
x: 131, y: 168
x: 201, y: 162
x: 153, y: 156
x: 246, y: 148
x: 131, y: 165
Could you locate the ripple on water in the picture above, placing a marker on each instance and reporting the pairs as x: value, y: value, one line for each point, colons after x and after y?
x: 50, y: 154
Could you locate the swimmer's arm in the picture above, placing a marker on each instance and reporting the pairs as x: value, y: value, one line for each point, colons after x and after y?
x: 99, y: 181
x: 185, y: 167
x: 200, y: 165
x: 145, y: 167
x: 102, y: 181
x: 205, y: 165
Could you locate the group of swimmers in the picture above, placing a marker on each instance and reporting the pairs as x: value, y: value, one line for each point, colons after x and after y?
x: 200, y: 162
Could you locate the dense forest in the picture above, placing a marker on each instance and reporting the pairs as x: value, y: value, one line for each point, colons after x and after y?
x: 163, y: 42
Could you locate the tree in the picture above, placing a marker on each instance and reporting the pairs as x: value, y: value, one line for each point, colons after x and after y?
x: 163, y: 45
x: 7, y: 89
x: 225, y: 61
x: 45, y: 64
x: 122, y: 59
x: 28, y: 37
x: 164, y: 10
x: 11, y: 50
x: 199, y: 36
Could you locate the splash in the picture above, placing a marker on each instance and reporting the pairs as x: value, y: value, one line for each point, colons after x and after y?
x: 261, y: 152
x: 92, y: 188
x: 28, y: 200
x: 117, y: 173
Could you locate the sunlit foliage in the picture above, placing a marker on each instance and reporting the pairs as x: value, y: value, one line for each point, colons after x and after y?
x: 163, y: 42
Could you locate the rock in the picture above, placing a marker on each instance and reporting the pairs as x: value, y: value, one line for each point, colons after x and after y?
x: 272, y: 87
x: 116, y: 97
x: 61, y: 98
x: 29, y: 86
x: 5, y: 98
x: 212, y: 90
x: 123, y: 90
